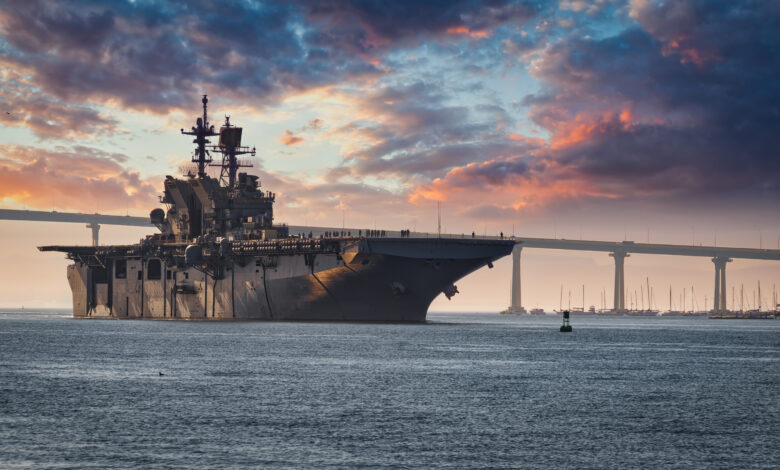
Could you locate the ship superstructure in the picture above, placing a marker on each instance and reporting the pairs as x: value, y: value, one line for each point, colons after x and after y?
x: 220, y: 256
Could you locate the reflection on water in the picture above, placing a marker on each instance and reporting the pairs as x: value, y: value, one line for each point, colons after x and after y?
x: 466, y: 391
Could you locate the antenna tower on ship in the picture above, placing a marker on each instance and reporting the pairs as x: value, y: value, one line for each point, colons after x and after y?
x: 230, y: 147
x: 201, y: 130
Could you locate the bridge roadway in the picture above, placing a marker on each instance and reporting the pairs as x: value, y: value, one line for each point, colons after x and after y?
x: 720, y: 255
x: 93, y: 221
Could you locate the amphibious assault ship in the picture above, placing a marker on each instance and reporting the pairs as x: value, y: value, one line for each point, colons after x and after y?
x: 219, y: 255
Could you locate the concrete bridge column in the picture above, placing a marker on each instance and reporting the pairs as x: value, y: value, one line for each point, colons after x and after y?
x: 716, y: 297
x: 517, y: 305
x: 95, y: 232
x: 719, y: 304
x: 619, y: 303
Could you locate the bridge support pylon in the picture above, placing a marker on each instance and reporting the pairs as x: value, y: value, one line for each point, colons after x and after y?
x: 719, y: 304
x: 95, y: 232
x: 516, y: 305
x: 619, y: 303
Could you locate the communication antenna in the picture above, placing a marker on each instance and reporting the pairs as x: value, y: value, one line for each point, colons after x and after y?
x: 438, y: 208
x: 201, y: 130
x: 230, y: 147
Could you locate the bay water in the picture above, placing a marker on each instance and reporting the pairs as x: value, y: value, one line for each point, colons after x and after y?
x: 463, y: 391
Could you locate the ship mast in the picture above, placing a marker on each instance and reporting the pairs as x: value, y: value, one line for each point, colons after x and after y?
x: 230, y: 147
x: 201, y: 131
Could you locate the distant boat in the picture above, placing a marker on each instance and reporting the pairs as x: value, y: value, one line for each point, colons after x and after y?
x: 643, y: 313
x: 673, y: 313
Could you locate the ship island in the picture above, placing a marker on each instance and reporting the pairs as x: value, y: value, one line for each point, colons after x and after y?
x: 219, y: 255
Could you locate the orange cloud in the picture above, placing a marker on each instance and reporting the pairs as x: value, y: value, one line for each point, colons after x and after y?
x: 80, y: 178
x: 688, y: 53
x: 567, y: 133
x: 528, y: 140
x: 288, y: 138
x: 465, y: 31
x: 496, y: 183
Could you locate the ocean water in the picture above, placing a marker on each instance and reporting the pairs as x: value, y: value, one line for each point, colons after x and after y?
x: 465, y: 391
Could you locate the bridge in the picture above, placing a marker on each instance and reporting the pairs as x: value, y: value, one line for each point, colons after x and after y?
x: 93, y: 221
x: 619, y: 251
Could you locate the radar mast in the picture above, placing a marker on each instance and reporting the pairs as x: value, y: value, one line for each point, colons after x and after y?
x: 201, y: 130
x: 230, y: 147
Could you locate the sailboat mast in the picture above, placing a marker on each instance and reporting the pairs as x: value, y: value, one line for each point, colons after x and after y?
x: 733, y: 298
x: 742, y: 297
x: 560, y: 300
x: 649, y: 297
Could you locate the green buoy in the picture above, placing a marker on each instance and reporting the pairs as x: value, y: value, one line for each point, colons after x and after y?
x: 566, y: 327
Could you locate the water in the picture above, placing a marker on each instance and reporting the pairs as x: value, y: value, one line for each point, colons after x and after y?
x: 469, y: 391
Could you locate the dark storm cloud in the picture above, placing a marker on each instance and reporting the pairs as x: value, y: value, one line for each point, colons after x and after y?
x: 694, y: 85
x: 368, y: 25
x: 157, y: 55
x: 496, y: 172
x: 681, y: 102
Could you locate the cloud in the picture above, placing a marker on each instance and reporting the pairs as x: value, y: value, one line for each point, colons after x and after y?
x: 365, y: 27
x: 629, y: 115
x: 313, y: 125
x: 410, y: 130
x: 73, y: 178
x: 161, y: 56
x: 510, y: 183
x: 289, y: 139
x: 301, y: 201
x: 681, y: 102
x: 50, y: 118
x: 21, y: 104
x: 669, y: 99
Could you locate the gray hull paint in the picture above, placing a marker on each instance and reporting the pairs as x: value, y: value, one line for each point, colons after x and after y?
x: 393, y: 280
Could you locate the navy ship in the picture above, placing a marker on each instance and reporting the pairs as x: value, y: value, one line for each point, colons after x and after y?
x: 219, y: 255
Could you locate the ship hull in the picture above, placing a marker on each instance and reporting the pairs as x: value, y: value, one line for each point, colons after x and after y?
x: 381, y: 280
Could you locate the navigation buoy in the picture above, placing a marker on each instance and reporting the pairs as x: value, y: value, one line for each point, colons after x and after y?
x: 566, y: 327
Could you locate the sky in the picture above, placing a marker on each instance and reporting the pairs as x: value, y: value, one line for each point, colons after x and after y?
x: 638, y: 120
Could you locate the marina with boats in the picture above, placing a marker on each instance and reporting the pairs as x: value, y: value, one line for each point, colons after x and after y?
x: 642, y: 303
